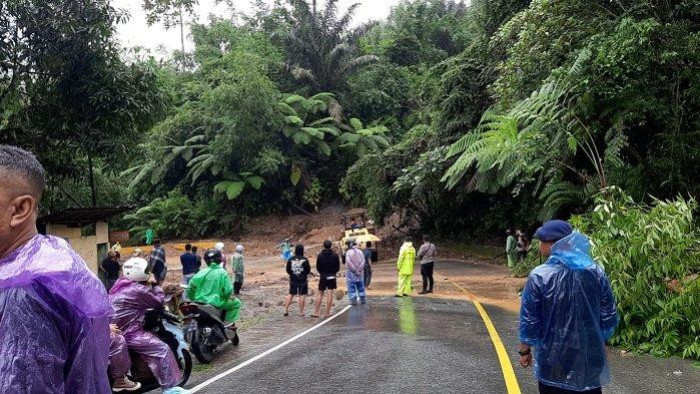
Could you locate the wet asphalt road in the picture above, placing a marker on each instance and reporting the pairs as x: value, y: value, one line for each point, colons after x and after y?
x: 391, y: 345
x: 413, y: 345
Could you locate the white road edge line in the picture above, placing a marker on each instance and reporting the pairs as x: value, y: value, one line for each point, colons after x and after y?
x: 200, y: 386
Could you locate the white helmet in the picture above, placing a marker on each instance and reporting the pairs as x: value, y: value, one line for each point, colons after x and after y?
x: 136, y: 269
x: 239, y: 248
x: 219, y: 246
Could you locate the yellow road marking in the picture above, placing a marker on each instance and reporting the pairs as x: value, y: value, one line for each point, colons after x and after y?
x: 507, y: 368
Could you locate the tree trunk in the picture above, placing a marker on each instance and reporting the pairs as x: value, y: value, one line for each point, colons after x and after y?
x: 92, y: 181
x: 182, y: 38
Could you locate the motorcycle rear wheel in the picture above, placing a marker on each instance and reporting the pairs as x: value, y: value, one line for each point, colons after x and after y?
x: 203, y: 352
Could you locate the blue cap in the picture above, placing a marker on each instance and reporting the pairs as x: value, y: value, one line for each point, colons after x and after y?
x: 553, y: 230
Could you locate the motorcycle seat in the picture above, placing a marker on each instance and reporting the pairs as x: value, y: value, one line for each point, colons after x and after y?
x: 212, y: 310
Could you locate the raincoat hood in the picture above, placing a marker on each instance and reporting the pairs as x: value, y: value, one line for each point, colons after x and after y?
x: 573, y: 251
x: 50, y: 261
x: 407, y: 257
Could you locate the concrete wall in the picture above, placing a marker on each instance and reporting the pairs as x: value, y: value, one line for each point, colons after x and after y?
x: 86, y: 247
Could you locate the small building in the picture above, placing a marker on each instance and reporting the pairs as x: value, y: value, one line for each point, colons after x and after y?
x: 85, y: 229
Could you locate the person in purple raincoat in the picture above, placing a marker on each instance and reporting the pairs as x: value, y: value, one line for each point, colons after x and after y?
x: 54, y: 312
x: 120, y: 361
x: 131, y: 297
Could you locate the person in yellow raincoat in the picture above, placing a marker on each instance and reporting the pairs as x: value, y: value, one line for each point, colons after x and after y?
x: 407, y: 257
x: 213, y: 286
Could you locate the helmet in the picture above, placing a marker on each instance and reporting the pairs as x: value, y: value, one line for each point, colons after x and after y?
x: 219, y: 246
x: 212, y: 256
x: 240, y: 248
x: 136, y: 269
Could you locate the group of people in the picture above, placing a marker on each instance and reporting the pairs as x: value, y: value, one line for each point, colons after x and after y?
x: 517, y: 247
x: 358, y: 275
x: 405, y: 266
x: 60, y: 331
x: 63, y: 330
x: 55, y: 315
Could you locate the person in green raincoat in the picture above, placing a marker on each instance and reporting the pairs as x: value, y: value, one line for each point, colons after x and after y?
x: 213, y: 286
x: 149, y: 236
x: 407, y: 257
x: 511, y: 249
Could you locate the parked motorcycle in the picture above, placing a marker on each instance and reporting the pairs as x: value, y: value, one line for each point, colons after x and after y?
x: 205, y: 330
x: 165, y: 326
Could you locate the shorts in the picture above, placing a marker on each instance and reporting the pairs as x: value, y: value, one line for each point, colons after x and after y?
x: 299, y: 289
x: 327, y: 283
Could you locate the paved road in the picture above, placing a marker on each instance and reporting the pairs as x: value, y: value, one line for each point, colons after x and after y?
x: 414, y: 345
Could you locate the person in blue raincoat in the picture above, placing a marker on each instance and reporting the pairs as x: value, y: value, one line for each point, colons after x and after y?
x: 567, y: 313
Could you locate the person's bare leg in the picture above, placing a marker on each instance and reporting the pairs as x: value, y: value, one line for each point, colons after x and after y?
x: 319, y: 298
x: 302, y: 303
x: 329, y: 303
x: 287, y: 303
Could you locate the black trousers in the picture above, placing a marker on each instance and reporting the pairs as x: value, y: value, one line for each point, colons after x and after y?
x: 426, y: 270
x: 237, y: 287
x: 544, y: 389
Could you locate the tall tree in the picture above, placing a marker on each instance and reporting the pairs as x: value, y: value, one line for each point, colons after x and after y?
x: 321, y: 50
x: 64, y: 91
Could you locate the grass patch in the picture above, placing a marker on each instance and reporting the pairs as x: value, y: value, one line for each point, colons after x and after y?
x: 202, y: 367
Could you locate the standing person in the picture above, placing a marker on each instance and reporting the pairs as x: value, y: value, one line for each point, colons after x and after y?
x: 407, y: 257
x: 522, y: 246
x: 298, y: 269
x: 327, y: 265
x: 111, y: 267
x: 511, y: 251
x: 238, y: 269
x: 189, y: 267
x: 355, y: 275
x: 220, y: 247
x: 157, y: 262
x: 426, y: 254
x: 198, y: 257
x: 369, y: 259
x: 149, y: 236
x: 568, y: 312
x: 54, y: 312
x: 286, y: 248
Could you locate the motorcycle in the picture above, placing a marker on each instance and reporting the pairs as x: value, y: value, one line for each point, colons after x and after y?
x: 165, y: 326
x: 205, y: 330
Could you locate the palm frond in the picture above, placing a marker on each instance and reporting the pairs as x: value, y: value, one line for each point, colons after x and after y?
x: 357, y: 63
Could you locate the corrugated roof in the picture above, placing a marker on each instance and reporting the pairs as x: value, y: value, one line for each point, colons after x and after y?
x: 82, y: 216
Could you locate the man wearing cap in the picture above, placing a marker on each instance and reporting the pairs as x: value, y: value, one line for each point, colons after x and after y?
x: 567, y: 313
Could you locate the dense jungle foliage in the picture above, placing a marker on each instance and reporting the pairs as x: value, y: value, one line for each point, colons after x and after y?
x: 463, y: 117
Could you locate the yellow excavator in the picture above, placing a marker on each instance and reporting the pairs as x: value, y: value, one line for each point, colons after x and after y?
x: 357, y: 227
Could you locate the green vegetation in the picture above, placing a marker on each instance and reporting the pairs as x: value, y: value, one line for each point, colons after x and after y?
x: 464, y: 120
x: 652, y: 255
